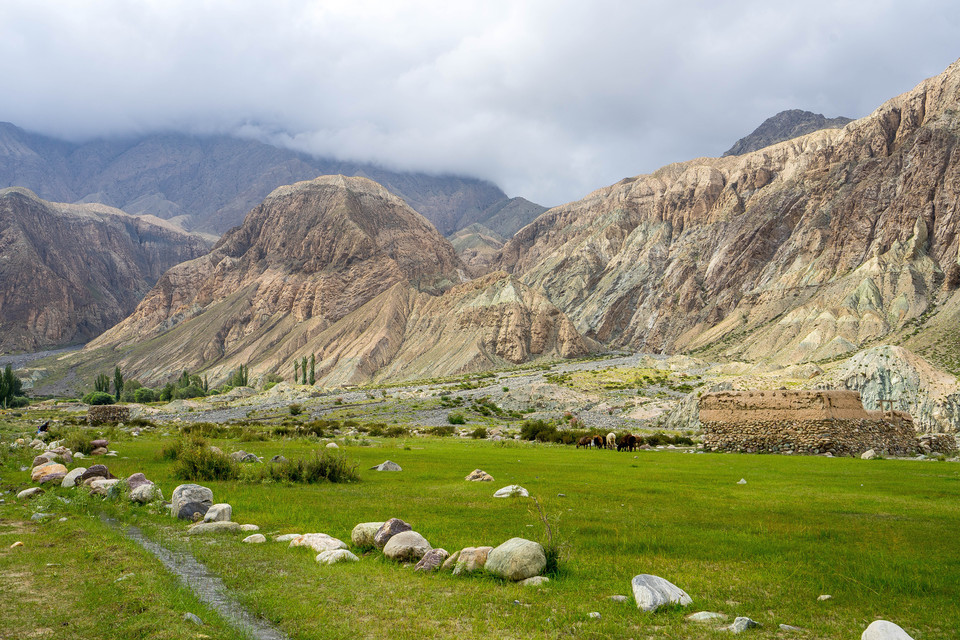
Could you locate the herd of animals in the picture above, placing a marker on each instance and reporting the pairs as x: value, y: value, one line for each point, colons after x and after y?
x: 627, y: 442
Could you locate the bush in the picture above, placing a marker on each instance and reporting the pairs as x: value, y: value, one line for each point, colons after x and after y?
x: 189, y: 391
x: 538, y: 430
x: 144, y: 395
x: 479, y: 433
x: 456, y: 418
x: 17, y: 402
x: 325, y: 466
x: 396, y: 432
x: 295, y: 409
x: 441, y: 431
x: 99, y: 397
x: 77, y: 440
x: 196, y: 461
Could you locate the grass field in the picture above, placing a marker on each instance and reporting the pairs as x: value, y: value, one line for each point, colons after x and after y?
x: 879, y: 536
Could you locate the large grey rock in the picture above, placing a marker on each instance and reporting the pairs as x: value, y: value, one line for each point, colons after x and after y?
x: 406, y: 546
x: 884, y: 630
x: 221, y: 512
x: 249, y: 527
x: 742, y: 623
x: 46, y: 469
x: 387, y: 466
x: 287, y: 537
x: 535, y: 581
x: 70, y: 480
x: 102, y: 486
x: 30, y: 493
x: 203, y: 528
x: 387, y: 530
x: 333, y: 556
x: 192, y: 511
x: 512, y: 490
x: 319, y: 542
x: 362, y: 534
x: 52, y: 478
x: 136, y: 480
x: 190, y: 493
x: 146, y: 493
x: 651, y: 592
x: 432, y: 560
x: 517, y: 559
x: 470, y: 559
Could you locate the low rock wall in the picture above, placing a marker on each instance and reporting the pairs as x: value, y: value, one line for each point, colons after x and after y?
x: 894, y: 437
x: 945, y: 443
x: 98, y: 414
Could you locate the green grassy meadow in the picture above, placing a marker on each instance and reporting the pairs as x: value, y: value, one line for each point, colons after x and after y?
x: 879, y: 536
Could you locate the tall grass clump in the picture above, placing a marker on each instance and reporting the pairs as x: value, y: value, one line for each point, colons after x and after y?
x: 324, y: 466
x: 195, y: 460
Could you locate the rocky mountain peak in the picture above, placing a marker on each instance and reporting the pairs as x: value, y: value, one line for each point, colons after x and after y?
x: 786, y: 125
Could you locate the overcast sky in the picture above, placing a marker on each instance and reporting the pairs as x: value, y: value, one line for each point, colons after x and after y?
x: 549, y: 100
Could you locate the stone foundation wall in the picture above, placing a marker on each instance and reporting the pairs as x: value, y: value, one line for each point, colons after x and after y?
x: 98, y: 414
x: 945, y: 443
x: 894, y: 437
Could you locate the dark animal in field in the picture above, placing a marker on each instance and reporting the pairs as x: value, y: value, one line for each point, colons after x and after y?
x: 598, y: 442
x: 628, y: 442
x: 585, y: 441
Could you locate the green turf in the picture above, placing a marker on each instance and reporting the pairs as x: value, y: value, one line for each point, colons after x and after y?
x: 879, y: 536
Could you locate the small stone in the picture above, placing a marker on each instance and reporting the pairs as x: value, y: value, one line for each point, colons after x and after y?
x: 278, y: 459
x: 450, y: 562
x: 40, y: 516
x: 561, y: 495
x: 333, y: 556
x: 29, y: 493
x: 221, y: 512
x: 479, y: 475
x: 189, y: 617
x: 706, y: 616
x: 96, y: 471
x: 70, y: 480
x: 512, y: 490
x: 100, y: 451
x: 386, y: 465
x: 96, y: 444
x: 16, y: 544
x: 52, y: 478
x: 432, y: 560
x: 287, y: 537
x: 387, y: 530
x: 470, y: 559
x: 125, y: 576
x: 363, y: 534
x: 742, y: 623
x: 137, y: 480
x: 619, y: 598
x: 406, y: 546
x: 884, y: 630
x: 203, y: 528
x: 102, y: 486
x: 334, y: 445
x: 146, y: 493
x: 536, y: 581
x: 249, y: 527
x: 651, y: 592
x: 62, y: 520
x: 791, y: 628
x: 319, y: 542
x: 824, y: 597
x: 594, y: 614
x: 742, y: 481
x: 869, y: 454
x: 256, y: 538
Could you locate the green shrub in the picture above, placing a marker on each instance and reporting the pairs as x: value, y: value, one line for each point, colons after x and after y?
x: 99, y: 397
x: 325, y: 466
x: 396, y: 431
x: 441, y: 431
x: 456, y: 418
x: 538, y: 430
x: 197, y: 462
x: 479, y: 433
x: 189, y: 391
x: 295, y: 409
x: 144, y: 395
x: 77, y: 440
x: 252, y: 435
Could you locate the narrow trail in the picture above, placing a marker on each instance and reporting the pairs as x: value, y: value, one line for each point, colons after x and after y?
x: 208, y: 587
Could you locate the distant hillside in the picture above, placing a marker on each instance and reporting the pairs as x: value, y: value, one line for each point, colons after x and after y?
x: 786, y: 125
x: 209, y: 183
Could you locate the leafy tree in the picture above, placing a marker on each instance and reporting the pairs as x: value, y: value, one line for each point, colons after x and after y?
x: 296, y: 372
x: 118, y: 382
x: 303, y: 369
x: 144, y: 394
x: 102, y: 383
x: 239, y: 377
x: 313, y: 368
x: 10, y: 388
x: 98, y: 397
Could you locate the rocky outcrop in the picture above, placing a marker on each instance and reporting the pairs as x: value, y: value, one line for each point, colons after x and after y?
x: 209, y: 183
x: 786, y: 125
x: 340, y: 268
x: 68, y: 272
x: 803, y: 251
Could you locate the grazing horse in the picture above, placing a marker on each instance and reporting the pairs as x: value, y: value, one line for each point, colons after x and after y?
x: 585, y: 441
x: 598, y: 442
x: 611, y: 440
x: 628, y: 442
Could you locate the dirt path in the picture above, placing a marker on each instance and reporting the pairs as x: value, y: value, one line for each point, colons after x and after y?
x: 208, y: 587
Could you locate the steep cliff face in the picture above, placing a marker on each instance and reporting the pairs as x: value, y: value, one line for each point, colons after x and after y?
x: 341, y: 268
x: 210, y: 182
x: 68, y: 272
x: 805, y: 250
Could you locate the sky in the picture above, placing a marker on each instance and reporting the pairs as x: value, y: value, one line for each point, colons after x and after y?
x: 548, y: 99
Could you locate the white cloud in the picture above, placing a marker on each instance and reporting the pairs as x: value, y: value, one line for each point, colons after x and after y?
x: 548, y: 99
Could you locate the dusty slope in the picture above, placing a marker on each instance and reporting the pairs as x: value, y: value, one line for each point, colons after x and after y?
x: 805, y: 250
x: 68, y: 272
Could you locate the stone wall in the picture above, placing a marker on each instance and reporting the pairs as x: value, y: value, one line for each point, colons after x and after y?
x: 802, y: 422
x: 98, y: 414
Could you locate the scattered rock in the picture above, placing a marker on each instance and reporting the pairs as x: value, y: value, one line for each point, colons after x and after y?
x: 146, y: 493
x: 200, y: 498
x: 517, y: 559
x: 363, y: 534
x: 100, y: 443
x: 471, y: 559
x: 78, y: 455
x: 70, y: 480
x: 536, y: 581
x: 619, y: 598
x: 741, y: 624
x: 742, y: 481
x: 278, y: 459
x: 479, y: 475
x: 256, y: 538
x: 29, y: 493
x: 43, y: 458
x: 96, y: 471
x: 100, y: 451
x: 192, y: 511
x: 791, y: 628
x: 594, y: 614
x: 334, y: 445
x: 333, y: 556
x: 884, y: 630
x: 45, y: 469
x: 512, y: 490
x: 40, y: 516
x: 406, y: 546
x: 287, y: 537
x: 450, y: 562
x: 319, y: 542
x: 137, y: 480
x: 249, y: 527
x: 202, y: 528
x: 432, y: 560
x: 52, y: 478
x: 189, y: 617
x: 387, y: 530
x: 869, y: 454
x: 706, y: 616
x: 221, y: 512
x: 652, y: 592
x: 102, y: 486
x: 386, y: 465
x: 16, y: 544
x: 823, y: 597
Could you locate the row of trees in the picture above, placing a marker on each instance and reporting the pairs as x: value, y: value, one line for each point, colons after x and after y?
x: 300, y: 370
